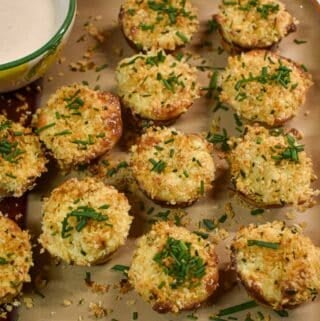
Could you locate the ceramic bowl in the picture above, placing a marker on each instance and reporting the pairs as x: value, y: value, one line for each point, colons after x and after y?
x: 21, y: 72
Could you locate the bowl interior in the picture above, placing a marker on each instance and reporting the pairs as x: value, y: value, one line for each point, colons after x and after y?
x: 61, y: 8
x: 63, y: 16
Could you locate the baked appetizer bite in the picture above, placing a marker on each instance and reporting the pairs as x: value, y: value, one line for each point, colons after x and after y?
x: 270, y: 168
x: 254, y: 24
x: 277, y: 265
x: 264, y: 87
x: 79, y: 124
x: 22, y: 159
x: 84, y: 221
x: 15, y: 259
x: 173, y: 269
x: 158, y: 24
x: 171, y: 167
x: 156, y: 87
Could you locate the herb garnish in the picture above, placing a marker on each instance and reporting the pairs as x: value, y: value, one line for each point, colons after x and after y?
x: 41, y: 129
x: 213, y: 85
x: 212, y: 26
x: 10, y: 151
x: 201, y: 187
x: 257, y: 211
x: 281, y: 76
x: 220, y: 139
x: 266, y: 9
x: 282, y: 313
x: 182, y: 37
x: 88, y: 279
x: 238, y: 308
x: 299, y: 42
x: 192, y: 316
x: 3, y: 261
x: 84, y: 143
x: 5, y: 124
x: 146, y: 27
x: 158, y: 166
x: 291, y: 153
x: 156, y: 60
x: 177, y: 261
x: 209, y: 224
x: 116, y: 169
x: 121, y: 268
x: 63, y: 133
x: 100, y: 68
x: 165, y: 8
x: 83, y: 214
x: 201, y: 234
x: 74, y: 102
x: 131, y: 62
x: 171, y: 82
x: 269, y: 245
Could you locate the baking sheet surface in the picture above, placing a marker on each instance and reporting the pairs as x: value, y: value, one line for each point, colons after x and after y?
x: 66, y: 296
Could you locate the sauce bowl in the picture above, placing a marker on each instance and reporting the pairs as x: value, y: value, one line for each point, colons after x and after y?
x: 21, y: 72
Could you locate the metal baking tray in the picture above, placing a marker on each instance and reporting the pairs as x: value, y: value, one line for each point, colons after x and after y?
x: 64, y: 295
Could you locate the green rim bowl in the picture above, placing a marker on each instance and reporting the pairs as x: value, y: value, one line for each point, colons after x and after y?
x: 23, y: 71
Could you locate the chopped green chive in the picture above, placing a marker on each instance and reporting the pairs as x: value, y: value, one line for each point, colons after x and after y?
x: 121, y: 268
x: 299, y: 42
x: 291, y: 153
x: 102, y: 67
x: 83, y: 214
x: 11, y: 175
x: 87, y: 278
x: 201, y: 234
x: 177, y: 261
x: 158, y: 148
x: 237, y: 120
x: 41, y: 129
x: 209, y: 224
x: 168, y: 141
x: 116, y: 169
x: 282, y: 313
x: 10, y: 151
x: 269, y: 245
x: 266, y: 9
x: 104, y: 207
x: 238, y: 308
x: 3, y: 261
x: 257, y: 211
x: 213, y: 85
x: 5, y: 124
x: 192, y: 316
x: 156, y: 60
x: 146, y: 27
x: 223, y: 218
x: 131, y: 12
x: 182, y: 37
x: 63, y: 133
x: 202, y: 187
x: 221, y: 139
x: 150, y: 210
x: 212, y: 26
x: 158, y: 166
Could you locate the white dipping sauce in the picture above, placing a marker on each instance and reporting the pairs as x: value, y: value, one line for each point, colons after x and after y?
x: 25, y: 26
